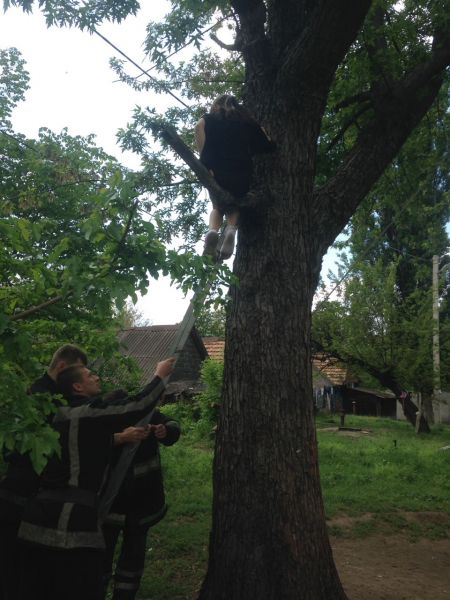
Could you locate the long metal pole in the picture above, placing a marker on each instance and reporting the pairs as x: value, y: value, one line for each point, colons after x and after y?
x: 129, y: 450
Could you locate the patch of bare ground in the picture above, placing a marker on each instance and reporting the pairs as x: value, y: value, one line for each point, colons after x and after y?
x: 391, y: 566
x: 347, y: 432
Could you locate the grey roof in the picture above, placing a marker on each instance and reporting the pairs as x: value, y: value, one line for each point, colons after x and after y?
x: 148, y: 345
x: 386, y: 395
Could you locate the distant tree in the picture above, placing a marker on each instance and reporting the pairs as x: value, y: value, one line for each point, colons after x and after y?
x: 130, y: 316
x: 366, y: 329
x: 210, y: 321
x: 382, y: 322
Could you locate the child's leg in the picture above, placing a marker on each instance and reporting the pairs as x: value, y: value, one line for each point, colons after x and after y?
x: 212, y: 237
x: 233, y: 218
x: 215, y: 219
x: 229, y: 236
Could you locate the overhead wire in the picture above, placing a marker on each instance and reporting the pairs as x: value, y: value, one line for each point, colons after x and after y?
x: 143, y: 72
x: 402, y: 252
x: 147, y: 71
x: 133, y: 62
x: 187, y: 43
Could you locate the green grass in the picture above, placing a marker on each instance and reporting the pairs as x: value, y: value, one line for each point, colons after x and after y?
x: 389, y: 469
x: 178, y: 545
x: 368, y: 478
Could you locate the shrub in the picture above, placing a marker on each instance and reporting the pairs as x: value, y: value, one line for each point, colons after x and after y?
x: 208, y: 402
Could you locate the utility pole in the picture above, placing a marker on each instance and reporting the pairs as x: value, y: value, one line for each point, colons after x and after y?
x: 436, y: 348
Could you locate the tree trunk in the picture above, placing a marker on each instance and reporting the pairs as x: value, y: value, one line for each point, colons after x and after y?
x: 269, y: 539
x: 427, y: 407
x: 412, y: 413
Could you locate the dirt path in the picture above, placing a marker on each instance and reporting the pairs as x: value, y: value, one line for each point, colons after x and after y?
x: 393, y: 568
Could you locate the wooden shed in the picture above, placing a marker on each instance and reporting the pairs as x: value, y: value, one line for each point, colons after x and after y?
x: 150, y: 344
x: 364, y: 401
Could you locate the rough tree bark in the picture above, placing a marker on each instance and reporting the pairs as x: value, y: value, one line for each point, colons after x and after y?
x: 269, y: 538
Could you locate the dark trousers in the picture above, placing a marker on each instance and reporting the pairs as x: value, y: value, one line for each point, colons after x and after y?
x: 55, y: 574
x: 9, y: 561
x: 130, y: 562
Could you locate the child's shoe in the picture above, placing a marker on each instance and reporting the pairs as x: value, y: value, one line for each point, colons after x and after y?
x: 211, y: 239
x: 227, y: 248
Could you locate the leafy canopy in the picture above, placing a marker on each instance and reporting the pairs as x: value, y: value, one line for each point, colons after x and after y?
x: 80, y: 235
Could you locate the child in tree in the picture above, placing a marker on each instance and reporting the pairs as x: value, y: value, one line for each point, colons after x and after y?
x: 227, y: 137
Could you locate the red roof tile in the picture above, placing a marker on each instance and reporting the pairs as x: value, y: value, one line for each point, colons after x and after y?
x: 336, y: 372
x: 215, y: 347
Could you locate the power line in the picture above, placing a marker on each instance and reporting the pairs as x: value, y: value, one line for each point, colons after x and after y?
x: 143, y: 72
x: 167, y: 91
x: 147, y: 71
x: 187, y: 43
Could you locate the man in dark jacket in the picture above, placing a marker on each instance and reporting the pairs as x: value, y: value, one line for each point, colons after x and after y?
x: 139, y: 505
x: 21, y: 480
x: 64, y: 552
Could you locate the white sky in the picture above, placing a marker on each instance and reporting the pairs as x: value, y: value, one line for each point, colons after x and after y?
x: 72, y: 85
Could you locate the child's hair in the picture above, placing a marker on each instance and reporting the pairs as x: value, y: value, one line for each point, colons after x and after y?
x: 229, y: 108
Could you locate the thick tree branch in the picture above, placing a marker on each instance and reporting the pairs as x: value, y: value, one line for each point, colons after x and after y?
x: 314, y: 57
x: 376, y: 48
x: 356, y: 99
x: 251, y: 10
x: 396, y: 115
x: 287, y: 20
x: 236, y: 47
x: 252, y: 37
x: 351, y: 121
x: 440, y: 59
x: 34, y: 309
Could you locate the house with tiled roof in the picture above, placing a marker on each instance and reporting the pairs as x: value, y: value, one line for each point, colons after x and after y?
x: 336, y: 388
x: 334, y: 384
x: 330, y: 378
x: 148, y: 345
x: 328, y: 371
x: 215, y: 347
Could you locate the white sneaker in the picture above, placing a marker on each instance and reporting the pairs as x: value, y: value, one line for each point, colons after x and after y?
x: 227, y: 248
x: 210, y: 247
